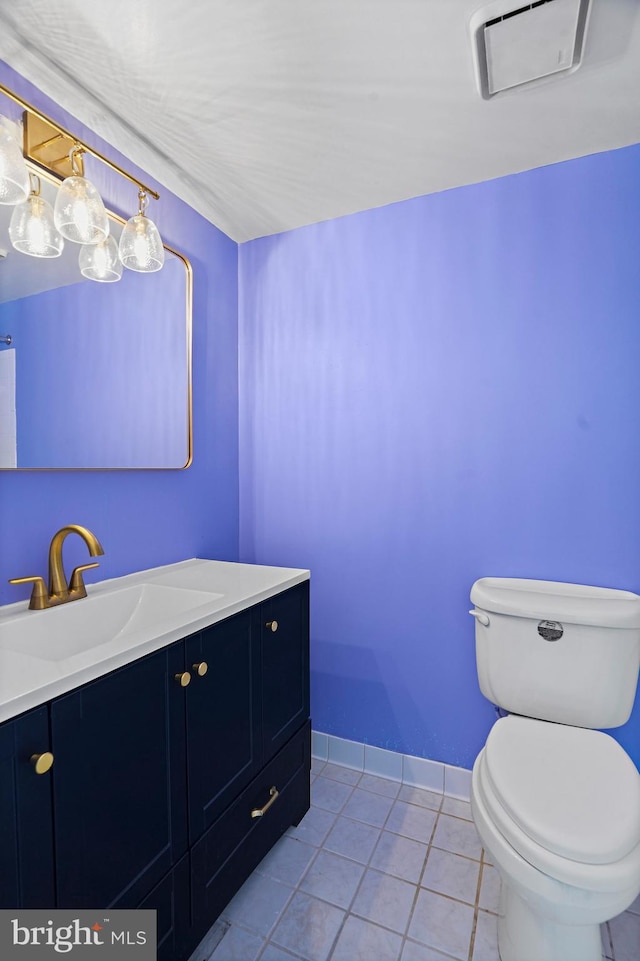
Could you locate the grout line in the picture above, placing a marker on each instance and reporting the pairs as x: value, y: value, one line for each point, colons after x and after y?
x: 476, y: 908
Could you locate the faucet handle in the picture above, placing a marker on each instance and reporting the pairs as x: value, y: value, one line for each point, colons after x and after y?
x: 76, y: 584
x: 39, y: 596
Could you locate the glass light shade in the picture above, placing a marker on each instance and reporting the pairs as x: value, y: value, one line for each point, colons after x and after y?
x: 101, y: 261
x: 141, y: 245
x: 32, y: 230
x: 79, y: 212
x: 14, y: 176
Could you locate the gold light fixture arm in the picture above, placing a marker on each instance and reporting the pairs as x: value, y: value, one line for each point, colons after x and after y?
x: 51, y: 134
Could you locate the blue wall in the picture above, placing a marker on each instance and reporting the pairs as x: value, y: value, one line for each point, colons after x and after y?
x: 435, y: 391
x: 143, y: 518
x: 431, y: 392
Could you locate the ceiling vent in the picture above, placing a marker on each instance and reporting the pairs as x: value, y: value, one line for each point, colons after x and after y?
x: 516, y: 44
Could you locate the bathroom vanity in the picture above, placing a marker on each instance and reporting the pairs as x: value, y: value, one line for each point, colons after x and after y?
x: 173, y: 755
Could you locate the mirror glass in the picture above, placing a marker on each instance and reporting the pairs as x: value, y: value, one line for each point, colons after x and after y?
x: 96, y: 375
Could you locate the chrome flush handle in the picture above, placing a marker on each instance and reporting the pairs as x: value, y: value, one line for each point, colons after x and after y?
x: 481, y: 617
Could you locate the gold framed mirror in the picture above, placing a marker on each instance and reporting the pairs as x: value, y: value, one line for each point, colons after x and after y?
x: 93, y: 376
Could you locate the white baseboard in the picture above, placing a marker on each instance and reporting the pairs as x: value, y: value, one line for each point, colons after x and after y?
x: 416, y: 771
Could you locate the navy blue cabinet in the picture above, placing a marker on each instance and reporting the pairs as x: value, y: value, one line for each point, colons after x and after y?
x: 283, y: 629
x: 118, y: 786
x: 26, y: 834
x: 173, y: 776
x: 222, y: 717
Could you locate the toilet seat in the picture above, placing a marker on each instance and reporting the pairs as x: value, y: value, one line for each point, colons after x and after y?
x: 573, y: 791
x: 538, y: 815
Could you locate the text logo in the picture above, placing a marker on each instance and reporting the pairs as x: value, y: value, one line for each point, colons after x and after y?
x: 31, y: 934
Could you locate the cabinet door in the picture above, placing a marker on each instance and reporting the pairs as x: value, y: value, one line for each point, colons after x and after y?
x: 119, y: 786
x: 170, y: 899
x: 285, y: 666
x: 26, y: 837
x: 223, y: 741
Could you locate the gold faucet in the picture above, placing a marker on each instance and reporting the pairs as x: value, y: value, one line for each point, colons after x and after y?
x: 59, y: 591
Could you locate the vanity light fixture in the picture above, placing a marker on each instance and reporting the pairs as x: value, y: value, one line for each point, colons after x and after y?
x: 140, y: 242
x: 101, y: 262
x: 79, y: 214
x: 32, y: 229
x: 14, y: 176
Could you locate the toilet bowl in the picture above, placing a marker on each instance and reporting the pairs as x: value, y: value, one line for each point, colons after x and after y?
x: 552, y: 904
x: 556, y: 801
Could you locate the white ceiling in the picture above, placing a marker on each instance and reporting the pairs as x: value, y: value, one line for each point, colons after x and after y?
x: 268, y: 114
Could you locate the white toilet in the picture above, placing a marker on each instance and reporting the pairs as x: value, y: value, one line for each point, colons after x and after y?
x: 556, y: 803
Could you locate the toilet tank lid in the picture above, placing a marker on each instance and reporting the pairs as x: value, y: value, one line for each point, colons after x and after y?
x: 557, y: 601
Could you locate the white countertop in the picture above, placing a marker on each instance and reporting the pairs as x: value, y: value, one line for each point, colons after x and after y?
x: 27, y: 681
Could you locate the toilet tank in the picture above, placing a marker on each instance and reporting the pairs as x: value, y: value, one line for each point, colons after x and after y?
x: 558, y: 652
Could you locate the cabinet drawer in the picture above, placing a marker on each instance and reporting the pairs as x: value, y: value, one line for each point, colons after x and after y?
x: 232, y: 847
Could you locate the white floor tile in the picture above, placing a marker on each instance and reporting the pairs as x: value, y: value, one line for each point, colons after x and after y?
x: 442, y: 923
x: 368, y: 807
x: 238, y: 945
x: 287, y: 860
x: 341, y: 887
x: 308, y: 927
x: 460, y: 809
x: 273, y: 953
x: 490, y: 889
x: 352, y: 839
x: 421, y: 797
x: 458, y: 836
x: 402, y: 857
x: 333, y: 878
x: 330, y: 795
x: 258, y: 904
x: 451, y: 874
x: 362, y: 941
x: 411, y: 821
x: 337, y: 772
x: 485, y: 945
x: 385, y: 900
x: 379, y: 785
x: 314, y: 826
x: 420, y: 952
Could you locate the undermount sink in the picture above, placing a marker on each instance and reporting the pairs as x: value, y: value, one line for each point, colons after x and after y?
x: 79, y: 626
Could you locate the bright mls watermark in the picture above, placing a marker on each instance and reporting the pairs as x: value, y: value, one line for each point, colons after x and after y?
x: 78, y: 935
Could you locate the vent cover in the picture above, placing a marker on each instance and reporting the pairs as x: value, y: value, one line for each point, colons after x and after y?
x: 523, y: 44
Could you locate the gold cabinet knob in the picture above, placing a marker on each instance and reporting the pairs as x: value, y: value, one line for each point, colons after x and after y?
x: 183, y: 679
x: 42, y: 762
x: 201, y: 668
x: 272, y: 626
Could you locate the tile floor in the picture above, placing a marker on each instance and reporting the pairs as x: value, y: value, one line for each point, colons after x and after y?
x: 376, y: 871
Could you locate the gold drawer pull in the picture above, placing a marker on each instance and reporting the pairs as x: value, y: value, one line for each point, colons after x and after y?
x: 201, y: 668
x: 260, y: 812
x: 272, y: 626
x: 42, y: 762
x: 183, y: 679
